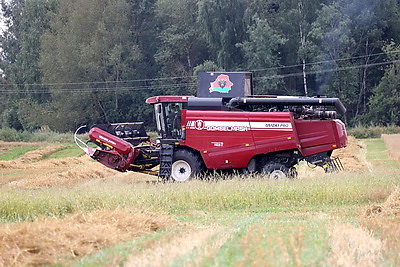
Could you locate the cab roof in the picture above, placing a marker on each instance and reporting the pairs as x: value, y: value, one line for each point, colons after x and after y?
x: 167, y: 99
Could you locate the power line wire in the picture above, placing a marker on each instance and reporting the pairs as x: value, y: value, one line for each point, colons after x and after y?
x: 192, y: 77
x: 178, y: 85
x: 326, y: 70
x: 325, y: 61
x: 99, y: 89
x: 99, y: 82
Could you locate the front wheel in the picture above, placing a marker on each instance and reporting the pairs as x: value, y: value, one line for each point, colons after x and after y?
x: 185, y: 166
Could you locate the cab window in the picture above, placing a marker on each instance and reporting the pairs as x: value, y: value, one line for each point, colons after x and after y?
x: 173, y: 115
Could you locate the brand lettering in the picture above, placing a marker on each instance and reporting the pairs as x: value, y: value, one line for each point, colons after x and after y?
x: 221, y: 126
x: 228, y: 128
x: 278, y: 125
x: 107, y: 140
x: 238, y: 126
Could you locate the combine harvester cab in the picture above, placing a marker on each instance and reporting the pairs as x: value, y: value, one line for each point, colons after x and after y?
x: 227, y: 128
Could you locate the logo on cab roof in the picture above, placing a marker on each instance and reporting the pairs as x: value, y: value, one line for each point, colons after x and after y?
x: 222, y: 84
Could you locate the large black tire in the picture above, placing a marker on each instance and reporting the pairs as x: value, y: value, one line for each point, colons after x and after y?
x: 185, y: 165
x: 276, y: 171
x: 293, y: 173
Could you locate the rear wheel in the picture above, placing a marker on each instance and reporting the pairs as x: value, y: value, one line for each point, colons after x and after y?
x: 276, y: 171
x: 293, y: 173
x: 185, y: 166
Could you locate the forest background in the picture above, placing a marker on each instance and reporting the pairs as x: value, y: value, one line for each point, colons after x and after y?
x: 67, y: 63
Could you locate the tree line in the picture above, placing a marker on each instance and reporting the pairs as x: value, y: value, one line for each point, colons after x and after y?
x: 67, y: 63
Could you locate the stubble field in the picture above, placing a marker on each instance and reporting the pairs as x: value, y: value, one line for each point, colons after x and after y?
x: 57, y: 208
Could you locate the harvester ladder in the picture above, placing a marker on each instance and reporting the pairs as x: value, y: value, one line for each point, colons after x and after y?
x: 166, y: 157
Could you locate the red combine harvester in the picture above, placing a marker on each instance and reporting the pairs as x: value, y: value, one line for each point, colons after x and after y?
x: 225, y: 128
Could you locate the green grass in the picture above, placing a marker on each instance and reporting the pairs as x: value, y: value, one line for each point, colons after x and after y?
x: 377, y: 154
x: 252, y: 194
x: 12, y: 153
x: 308, y: 247
x: 67, y: 151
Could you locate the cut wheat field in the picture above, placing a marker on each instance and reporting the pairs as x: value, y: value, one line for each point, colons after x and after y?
x: 58, y: 207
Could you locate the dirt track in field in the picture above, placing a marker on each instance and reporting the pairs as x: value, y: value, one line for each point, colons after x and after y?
x: 46, y: 240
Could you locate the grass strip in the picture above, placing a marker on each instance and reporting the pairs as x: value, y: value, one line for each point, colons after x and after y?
x: 118, y: 254
x: 66, y: 151
x: 287, y: 239
x: 377, y: 154
x: 12, y: 153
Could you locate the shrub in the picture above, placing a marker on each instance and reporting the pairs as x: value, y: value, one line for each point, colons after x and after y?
x: 12, y: 135
x: 44, y: 135
x: 372, y: 132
